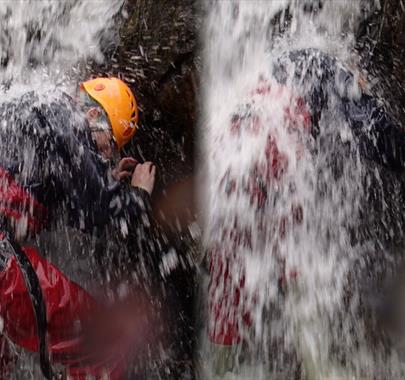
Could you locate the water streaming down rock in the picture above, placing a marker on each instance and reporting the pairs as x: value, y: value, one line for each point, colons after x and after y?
x: 47, y: 39
x: 44, y: 46
x: 285, y: 195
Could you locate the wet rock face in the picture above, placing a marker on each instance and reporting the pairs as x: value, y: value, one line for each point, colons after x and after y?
x: 156, y: 55
x: 381, y: 43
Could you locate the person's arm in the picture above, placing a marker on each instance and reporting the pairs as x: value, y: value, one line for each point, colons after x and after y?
x: 72, y: 178
x: 380, y: 138
x: 66, y: 303
x: 77, y: 182
x: 115, y: 202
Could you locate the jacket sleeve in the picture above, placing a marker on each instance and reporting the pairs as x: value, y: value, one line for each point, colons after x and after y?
x: 70, y: 309
x: 127, y: 213
x: 100, y: 202
x: 67, y: 305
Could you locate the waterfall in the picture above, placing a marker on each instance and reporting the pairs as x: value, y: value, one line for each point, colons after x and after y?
x: 45, y: 42
x: 283, y: 194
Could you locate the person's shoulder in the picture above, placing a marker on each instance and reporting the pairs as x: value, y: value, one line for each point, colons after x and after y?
x: 62, y: 112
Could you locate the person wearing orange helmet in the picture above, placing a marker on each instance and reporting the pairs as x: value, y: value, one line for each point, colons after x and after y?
x: 112, y: 113
x: 67, y: 185
x: 118, y: 103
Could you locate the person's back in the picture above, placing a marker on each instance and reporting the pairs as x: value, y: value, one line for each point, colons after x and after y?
x: 322, y: 113
x: 41, y: 148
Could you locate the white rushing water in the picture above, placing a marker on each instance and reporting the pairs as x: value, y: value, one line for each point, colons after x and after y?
x: 43, y: 42
x: 279, y: 206
x: 44, y: 45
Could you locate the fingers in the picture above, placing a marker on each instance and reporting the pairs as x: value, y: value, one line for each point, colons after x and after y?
x: 145, y: 168
x: 144, y: 176
x: 127, y: 162
x: 124, y: 174
x: 125, y: 168
x: 140, y: 170
x: 148, y: 165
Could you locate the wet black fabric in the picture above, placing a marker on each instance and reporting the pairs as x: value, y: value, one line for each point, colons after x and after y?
x: 48, y: 148
x: 326, y: 83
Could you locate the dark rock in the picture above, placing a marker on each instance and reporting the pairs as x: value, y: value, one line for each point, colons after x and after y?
x: 381, y: 45
x: 157, y: 56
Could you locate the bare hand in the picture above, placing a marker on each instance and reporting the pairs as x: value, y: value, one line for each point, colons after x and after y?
x: 144, y: 176
x: 125, y: 168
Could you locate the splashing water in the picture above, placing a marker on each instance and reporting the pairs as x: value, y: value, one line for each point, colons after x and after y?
x: 43, y: 46
x: 47, y: 40
x: 282, y: 202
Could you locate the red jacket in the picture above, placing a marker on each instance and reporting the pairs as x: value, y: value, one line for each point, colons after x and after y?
x: 68, y: 308
x: 228, y: 301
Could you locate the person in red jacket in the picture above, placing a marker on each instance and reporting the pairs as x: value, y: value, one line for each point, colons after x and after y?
x: 280, y: 120
x: 229, y: 302
x: 41, y: 308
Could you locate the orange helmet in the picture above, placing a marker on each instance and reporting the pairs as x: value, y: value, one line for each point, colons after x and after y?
x: 119, y: 103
